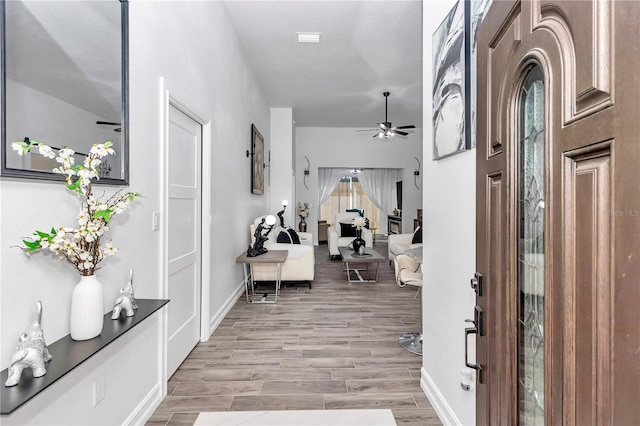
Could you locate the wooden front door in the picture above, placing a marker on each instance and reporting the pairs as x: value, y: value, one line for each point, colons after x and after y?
x: 558, y: 213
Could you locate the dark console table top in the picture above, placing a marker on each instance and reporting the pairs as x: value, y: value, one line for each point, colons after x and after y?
x: 68, y: 354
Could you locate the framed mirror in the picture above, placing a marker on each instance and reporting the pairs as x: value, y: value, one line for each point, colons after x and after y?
x: 64, y: 83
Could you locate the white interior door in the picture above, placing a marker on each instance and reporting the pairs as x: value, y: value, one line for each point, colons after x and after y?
x: 184, y: 236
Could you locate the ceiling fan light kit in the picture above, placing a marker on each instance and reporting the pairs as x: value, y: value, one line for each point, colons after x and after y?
x: 387, y: 130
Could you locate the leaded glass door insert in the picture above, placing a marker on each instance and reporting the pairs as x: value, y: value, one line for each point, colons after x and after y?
x: 531, y: 186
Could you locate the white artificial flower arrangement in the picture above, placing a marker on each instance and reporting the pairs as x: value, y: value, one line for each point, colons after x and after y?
x: 303, y: 209
x: 82, y: 246
x: 359, y: 222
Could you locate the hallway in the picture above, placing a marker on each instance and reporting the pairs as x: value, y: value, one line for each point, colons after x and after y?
x: 333, y: 346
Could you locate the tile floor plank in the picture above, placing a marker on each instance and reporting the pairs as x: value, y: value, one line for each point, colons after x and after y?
x: 304, y: 387
x: 277, y: 402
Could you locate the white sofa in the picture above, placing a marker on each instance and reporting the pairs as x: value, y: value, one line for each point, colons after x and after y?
x: 337, y: 240
x: 300, y: 263
x: 398, y: 244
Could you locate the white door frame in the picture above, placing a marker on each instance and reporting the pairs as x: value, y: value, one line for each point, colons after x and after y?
x: 169, y: 98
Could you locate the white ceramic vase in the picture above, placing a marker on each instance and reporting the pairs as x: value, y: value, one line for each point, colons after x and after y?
x: 86, y: 309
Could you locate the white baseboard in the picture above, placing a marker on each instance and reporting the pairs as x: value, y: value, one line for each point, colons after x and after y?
x: 439, y: 404
x: 217, y: 318
x: 146, y: 408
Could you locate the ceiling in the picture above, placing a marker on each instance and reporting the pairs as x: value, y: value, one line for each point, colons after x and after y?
x: 367, y: 47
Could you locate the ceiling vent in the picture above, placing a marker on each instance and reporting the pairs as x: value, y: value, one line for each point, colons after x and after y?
x: 308, y: 37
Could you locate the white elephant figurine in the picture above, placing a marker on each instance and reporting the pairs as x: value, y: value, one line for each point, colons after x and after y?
x: 31, y: 352
x: 125, y: 300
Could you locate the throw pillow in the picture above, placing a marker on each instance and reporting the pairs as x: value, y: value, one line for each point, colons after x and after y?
x: 295, y: 239
x: 346, y: 230
x: 284, y: 237
x: 417, y: 235
x: 288, y: 236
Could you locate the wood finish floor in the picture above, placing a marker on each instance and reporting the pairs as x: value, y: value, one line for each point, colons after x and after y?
x: 334, y: 346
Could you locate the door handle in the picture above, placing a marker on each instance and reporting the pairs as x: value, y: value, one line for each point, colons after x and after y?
x: 467, y: 332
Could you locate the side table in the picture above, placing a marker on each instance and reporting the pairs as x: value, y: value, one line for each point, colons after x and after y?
x: 306, y: 238
x: 276, y: 257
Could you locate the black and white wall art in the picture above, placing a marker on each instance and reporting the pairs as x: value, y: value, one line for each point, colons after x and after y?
x: 449, y: 136
x: 257, y: 163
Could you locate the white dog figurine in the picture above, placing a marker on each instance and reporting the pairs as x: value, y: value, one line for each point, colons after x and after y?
x: 125, y: 300
x: 31, y: 352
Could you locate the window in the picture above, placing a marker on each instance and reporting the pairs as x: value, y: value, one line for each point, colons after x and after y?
x: 531, y: 174
x: 350, y: 195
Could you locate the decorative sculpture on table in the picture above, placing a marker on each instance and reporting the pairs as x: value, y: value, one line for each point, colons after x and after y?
x: 125, y: 300
x: 285, y: 203
x: 31, y: 352
x: 359, y: 244
x: 258, y: 247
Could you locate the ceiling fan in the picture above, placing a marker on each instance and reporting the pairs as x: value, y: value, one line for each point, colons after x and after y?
x: 387, y: 130
x: 117, y: 126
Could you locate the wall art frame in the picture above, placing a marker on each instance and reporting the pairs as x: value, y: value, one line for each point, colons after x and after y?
x: 451, y: 103
x: 107, y: 89
x: 257, y: 161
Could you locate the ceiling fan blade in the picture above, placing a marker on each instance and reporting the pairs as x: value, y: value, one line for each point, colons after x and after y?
x: 398, y: 132
x: 410, y: 126
x: 111, y: 124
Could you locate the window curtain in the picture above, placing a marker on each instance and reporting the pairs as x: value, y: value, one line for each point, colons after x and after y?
x: 328, y: 180
x: 380, y: 187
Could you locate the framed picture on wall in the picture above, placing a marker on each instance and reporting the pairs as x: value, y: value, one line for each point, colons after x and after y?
x: 257, y: 161
x: 449, y: 84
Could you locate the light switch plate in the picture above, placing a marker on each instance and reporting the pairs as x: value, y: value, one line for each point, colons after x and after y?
x: 155, y: 221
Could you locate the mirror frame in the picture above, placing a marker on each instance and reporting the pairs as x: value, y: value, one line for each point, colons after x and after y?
x: 42, y: 175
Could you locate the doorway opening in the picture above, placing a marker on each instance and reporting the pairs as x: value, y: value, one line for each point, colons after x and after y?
x: 350, y: 196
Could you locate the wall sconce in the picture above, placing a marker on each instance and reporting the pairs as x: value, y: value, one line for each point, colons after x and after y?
x: 306, y: 173
x: 416, y: 174
x: 268, y: 165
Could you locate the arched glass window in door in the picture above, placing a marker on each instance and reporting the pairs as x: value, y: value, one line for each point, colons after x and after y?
x: 531, y: 196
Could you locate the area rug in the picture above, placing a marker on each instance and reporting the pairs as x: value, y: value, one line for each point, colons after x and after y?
x: 298, y: 418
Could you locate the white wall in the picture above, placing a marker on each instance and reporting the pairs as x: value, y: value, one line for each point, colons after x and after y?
x: 192, y: 45
x: 449, y: 255
x: 281, y: 168
x: 344, y: 147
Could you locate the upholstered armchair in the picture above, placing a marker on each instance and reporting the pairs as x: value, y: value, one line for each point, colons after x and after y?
x: 399, y: 243
x: 408, y: 268
x: 341, y: 236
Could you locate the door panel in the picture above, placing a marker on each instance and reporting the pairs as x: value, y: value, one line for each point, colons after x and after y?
x: 591, y: 211
x: 502, y: 47
x: 588, y: 353
x: 184, y: 236
x: 182, y: 232
x: 584, y: 34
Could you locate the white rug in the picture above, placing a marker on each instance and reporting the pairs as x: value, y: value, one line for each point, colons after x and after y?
x: 298, y: 418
